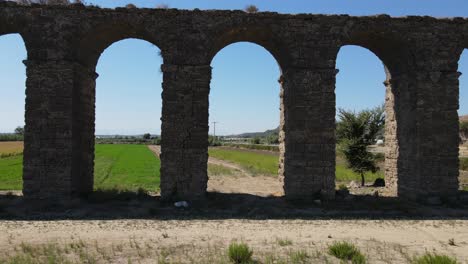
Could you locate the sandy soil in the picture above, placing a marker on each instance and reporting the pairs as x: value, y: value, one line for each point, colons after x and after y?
x: 11, y: 147
x: 391, y: 241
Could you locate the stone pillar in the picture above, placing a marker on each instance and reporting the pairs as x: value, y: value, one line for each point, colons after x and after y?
x: 48, y: 144
x: 84, y: 116
x: 391, y: 140
x: 308, y: 133
x: 401, y: 137
x: 438, y: 137
x: 184, y: 135
x: 423, y: 131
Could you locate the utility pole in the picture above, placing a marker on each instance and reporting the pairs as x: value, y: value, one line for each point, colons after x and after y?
x: 214, y: 129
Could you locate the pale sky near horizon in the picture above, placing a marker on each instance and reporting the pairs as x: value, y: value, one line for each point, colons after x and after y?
x: 244, y: 93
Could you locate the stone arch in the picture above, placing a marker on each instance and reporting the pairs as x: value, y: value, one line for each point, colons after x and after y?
x: 399, y: 107
x: 461, y: 95
x: 281, y: 123
x: 391, y: 153
x: 93, y: 44
x: 255, y: 35
x: 25, y: 181
x: 88, y: 53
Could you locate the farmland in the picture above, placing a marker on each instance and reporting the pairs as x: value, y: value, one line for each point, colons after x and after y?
x: 266, y: 163
x: 11, y: 147
x: 126, y: 167
x: 130, y: 167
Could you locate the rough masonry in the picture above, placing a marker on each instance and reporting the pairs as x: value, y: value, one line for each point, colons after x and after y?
x: 64, y: 44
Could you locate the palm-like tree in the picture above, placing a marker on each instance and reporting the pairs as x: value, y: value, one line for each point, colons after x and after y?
x: 356, y: 131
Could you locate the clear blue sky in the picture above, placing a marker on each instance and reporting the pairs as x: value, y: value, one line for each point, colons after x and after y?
x: 245, y: 92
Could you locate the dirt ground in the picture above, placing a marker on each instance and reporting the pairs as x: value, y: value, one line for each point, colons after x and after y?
x: 382, y: 241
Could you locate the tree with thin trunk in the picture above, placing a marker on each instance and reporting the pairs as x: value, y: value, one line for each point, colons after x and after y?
x: 355, y: 132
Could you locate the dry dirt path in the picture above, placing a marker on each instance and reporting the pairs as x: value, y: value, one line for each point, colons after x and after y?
x: 383, y: 241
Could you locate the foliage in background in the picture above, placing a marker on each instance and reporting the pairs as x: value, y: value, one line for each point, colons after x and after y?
x: 251, y: 9
x: 355, y: 132
x: 272, y: 139
x: 255, y: 140
x: 213, y: 141
x: 141, y: 140
x: 11, y: 137
x: 250, y: 146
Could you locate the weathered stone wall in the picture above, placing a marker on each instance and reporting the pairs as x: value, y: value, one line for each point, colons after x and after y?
x: 64, y: 45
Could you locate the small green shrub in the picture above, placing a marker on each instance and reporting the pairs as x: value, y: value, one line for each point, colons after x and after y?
x: 379, y: 157
x: 299, y: 257
x: 429, y: 258
x: 240, y: 253
x: 342, y: 187
x: 359, y: 259
x: 251, y: 9
x: 8, y: 155
x: 346, y: 251
x: 284, y: 242
x: 463, y: 164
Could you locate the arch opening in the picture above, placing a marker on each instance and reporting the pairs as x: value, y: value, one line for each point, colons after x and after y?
x: 463, y: 119
x: 245, y: 126
x: 119, y: 120
x: 366, y: 131
x: 12, y: 110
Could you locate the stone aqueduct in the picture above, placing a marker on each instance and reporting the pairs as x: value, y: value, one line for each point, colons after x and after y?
x: 64, y: 43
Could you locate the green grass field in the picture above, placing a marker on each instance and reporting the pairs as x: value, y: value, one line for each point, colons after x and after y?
x: 125, y: 167
x: 255, y: 163
x: 130, y: 167
x: 11, y: 171
x: 267, y: 164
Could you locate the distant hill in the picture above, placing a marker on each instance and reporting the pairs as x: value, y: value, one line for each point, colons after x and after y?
x: 463, y: 118
x: 257, y: 134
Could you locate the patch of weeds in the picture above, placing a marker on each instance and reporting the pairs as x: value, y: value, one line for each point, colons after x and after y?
x: 163, y: 256
x: 463, y: 164
x: 342, y: 187
x: 429, y: 258
x: 346, y: 251
x: 299, y: 257
x: 240, y: 253
x: 284, y: 242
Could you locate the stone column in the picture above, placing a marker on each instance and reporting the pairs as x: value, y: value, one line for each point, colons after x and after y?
x: 424, y: 134
x: 184, y: 135
x: 48, y: 142
x: 308, y: 124
x: 84, y: 116
x: 391, y: 140
x: 438, y: 137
